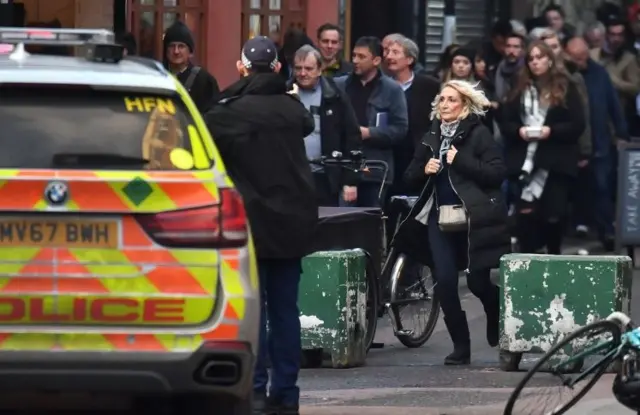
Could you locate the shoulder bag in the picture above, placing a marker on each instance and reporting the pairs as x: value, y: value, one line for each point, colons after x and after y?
x: 452, y: 218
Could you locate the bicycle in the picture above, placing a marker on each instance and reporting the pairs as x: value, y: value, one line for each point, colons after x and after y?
x: 385, y: 293
x: 606, y: 342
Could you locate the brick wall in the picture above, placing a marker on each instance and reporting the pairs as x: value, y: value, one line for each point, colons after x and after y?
x: 93, y: 13
x: 71, y: 13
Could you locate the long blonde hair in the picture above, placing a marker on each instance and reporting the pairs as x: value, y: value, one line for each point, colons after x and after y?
x: 473, y: 98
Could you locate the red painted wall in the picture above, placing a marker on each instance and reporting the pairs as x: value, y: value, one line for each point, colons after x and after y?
x: 320, y: 12
x: 224, y: 33
x: 223, y: 26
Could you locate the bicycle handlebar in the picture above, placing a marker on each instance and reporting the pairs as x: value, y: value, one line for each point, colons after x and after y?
x: 357, y: 163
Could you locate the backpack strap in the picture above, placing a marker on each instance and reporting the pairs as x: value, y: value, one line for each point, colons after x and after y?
x: 192, y: 77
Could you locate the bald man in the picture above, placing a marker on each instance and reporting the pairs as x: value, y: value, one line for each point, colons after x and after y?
x: 604, y: 108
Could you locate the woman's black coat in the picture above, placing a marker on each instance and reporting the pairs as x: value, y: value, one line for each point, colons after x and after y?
x: 560, y: 152
x: 476, y: 174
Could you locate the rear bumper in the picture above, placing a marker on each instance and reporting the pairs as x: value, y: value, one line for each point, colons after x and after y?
x: 230, y: 372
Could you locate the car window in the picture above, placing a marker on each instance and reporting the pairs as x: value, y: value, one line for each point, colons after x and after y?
x: 37, y: 124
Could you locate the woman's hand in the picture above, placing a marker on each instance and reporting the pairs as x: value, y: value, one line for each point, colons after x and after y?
x: 523, y: 133
x: 546, y: 132
x: 432, y: 167
x: 451, y: 154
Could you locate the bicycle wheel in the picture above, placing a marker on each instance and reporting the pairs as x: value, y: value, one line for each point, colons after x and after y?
x: 595, y: 333
x: 372, y: 303
x: 412, y: 297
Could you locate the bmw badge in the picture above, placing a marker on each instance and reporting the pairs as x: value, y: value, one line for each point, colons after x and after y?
x: 56, y: 193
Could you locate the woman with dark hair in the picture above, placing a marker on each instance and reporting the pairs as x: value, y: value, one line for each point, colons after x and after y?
x: 463, y: 68
x: 445, y: 61
x: 541, y: 123
x: 293, y: 40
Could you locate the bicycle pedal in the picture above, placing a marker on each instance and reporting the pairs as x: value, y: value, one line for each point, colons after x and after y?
x: 405, y: 333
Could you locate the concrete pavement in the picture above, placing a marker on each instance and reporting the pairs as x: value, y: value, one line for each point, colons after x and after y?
x: 402, y: 381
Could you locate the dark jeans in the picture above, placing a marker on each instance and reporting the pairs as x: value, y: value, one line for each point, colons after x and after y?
x: 446, y: 249
x: 279, y: 284
x: 602, y: 169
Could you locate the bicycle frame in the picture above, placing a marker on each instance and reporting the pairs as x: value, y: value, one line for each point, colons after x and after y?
x: 390, y: 272
x: 628, y: 339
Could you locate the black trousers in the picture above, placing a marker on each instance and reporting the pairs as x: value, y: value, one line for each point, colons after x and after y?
x: 446, y: 249
x: 542, y: 222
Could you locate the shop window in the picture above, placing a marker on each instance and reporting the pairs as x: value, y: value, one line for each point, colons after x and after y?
x: 272, y: 17
x: 149, y: 19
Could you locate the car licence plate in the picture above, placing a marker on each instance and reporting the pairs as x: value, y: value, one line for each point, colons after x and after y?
x: 59, y: 233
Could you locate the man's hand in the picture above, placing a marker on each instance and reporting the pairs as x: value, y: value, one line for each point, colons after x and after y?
x: 583, y: 163
x: 364, y: 131
x: 350, y: 193
x: 294, y: 90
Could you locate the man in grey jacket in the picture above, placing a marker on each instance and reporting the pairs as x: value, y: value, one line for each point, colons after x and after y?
x: 381, y: 108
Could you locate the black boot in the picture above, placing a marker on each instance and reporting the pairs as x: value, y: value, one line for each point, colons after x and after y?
x: 492, y: 309
x: 459, y: 331
x: 262, y: 405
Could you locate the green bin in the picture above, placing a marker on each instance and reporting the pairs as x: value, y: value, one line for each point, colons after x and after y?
x: 546, y: 297
x: 333, y: 305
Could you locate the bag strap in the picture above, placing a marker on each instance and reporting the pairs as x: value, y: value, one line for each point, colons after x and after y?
x: 192, y: 77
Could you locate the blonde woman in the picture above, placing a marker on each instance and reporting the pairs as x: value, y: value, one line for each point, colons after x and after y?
x: 459, y: 167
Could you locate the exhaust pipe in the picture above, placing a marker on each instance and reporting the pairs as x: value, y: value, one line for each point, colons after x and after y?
x: 216, y: 372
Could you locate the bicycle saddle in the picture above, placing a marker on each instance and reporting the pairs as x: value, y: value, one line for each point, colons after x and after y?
x: 627, y: 392
x: 403, y: 202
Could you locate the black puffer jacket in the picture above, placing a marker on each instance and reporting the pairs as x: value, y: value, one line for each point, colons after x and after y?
x: 476, y: 174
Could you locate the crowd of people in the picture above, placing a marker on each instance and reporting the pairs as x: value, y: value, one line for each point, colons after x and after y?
x: 509, y: 141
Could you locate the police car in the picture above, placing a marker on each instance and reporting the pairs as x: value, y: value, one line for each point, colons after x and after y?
x: 126, y: 264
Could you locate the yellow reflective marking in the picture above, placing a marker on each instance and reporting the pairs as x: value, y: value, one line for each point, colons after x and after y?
x: 202, y: 127
x: 7, y: 173
x: 200, y: 155
x: 30, y: 341
x: 83, y: 341
x: 197, y: 310
x: 69, y: 206
x: 206, y: 272
x: 157, y: 200
x: 16, y: 259
x: 231, y: 280
x: 253, y: 266
x: 148, y: 104
x: 126, y: 278
x: 238, y: 306
x: 181, y: 159
x: 204, y: 175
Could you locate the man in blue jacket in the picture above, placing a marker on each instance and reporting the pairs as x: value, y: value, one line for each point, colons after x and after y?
x: 605, y: 110
x: 381, y: 108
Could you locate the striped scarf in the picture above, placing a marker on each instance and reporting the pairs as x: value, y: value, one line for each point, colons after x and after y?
x: 533, y: 115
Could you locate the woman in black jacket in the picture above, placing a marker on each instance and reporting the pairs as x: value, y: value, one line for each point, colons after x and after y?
x: 541, y: 125
x: 458, y: 164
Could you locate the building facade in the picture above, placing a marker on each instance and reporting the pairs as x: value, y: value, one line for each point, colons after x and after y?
x: 219, y: 26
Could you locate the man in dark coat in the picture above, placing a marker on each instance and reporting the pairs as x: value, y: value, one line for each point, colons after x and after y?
x: 178, y: 47
x: 259, y: 128
x: 336, y: 127
x: 419, y: 91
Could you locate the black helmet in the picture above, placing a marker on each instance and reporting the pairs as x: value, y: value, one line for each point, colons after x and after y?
x: 627, y: 392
